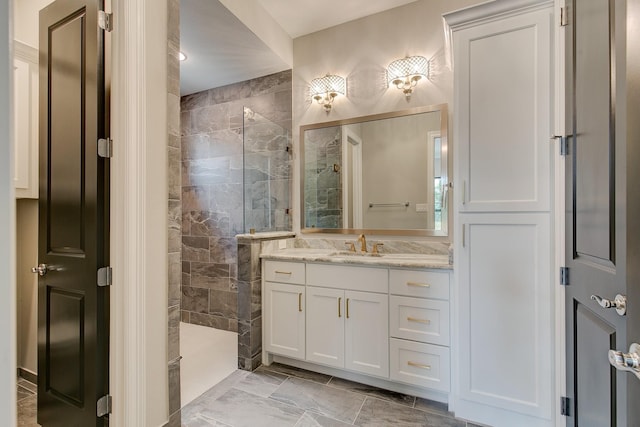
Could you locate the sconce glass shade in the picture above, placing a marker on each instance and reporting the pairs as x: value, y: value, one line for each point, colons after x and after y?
x: 406, y: 72
x: 325, y: 89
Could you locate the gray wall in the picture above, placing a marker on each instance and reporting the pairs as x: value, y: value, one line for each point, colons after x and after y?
x: 212, y: 191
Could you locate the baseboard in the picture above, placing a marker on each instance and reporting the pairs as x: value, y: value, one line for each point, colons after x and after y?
x: 32, y: 377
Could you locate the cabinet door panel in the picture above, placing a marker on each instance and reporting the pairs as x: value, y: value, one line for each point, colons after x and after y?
x: 325, y: 326
x: 285, y: 317
x: 418, y: 319
x: 367, y: 333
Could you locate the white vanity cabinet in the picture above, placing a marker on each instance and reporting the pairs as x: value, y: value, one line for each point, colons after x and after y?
x: 376, y: 324
x: 284, y: 316
x: 419, y: 327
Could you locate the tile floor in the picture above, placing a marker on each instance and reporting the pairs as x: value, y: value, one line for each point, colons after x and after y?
x: 282, y: 396
x: 27, y: 403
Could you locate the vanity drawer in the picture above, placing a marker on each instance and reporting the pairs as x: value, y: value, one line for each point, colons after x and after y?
x: 365, y: 279
x: 424, y: 365
x: 419, y: 319
x: 284, y: 272
x: 423, y: 284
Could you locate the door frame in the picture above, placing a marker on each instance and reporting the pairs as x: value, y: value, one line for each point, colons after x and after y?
x: 139, y: 213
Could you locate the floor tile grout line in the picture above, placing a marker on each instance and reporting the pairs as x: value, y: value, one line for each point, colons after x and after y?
x: 359, y: 410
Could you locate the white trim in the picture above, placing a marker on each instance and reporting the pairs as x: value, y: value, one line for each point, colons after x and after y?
x: 139, y: 380
x: 7, y: 227
x: 559, y: 214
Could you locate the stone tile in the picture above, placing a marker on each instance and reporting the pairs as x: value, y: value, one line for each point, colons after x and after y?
x: 195, y: 100
x: 223, y: 303
x: 241, y: 409
x: 195, y: 300
x: 28, y: 385
x: 173, y: 114
x: 432, y: 406
x: 230, y: 92
x: 331, y: 402
x: 392, y: 396
x: 175, y: 225
x: 209, y: 119
x: 175, y: 420
x: 310, y: 419
x: 175, y: 278
x: 210, y: 275
x: 173, y: 345
x: 195, y: 248
x: 261, y: 382
x: 198, y: 420
x: 223, y: 250
x: 244, y: 300
x: 299, y: 373
x: 210, y: 321
x: 195, y: 147
x: 256, y: 299
x: 213, y: 170
x: 185, y: 123
x: 376, y: 412
x: 185, y: 316
x: 226, y: 142
x: 195, y: 198
x: 174, y: 386
x: 174, y: 141
x: 244, y: 342
x: 23, y: 393
x: 174, y: 172
x: 27, y: 412
x: 256, y: 336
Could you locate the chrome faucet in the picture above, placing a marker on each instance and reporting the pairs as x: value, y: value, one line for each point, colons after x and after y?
x: 363, y: 243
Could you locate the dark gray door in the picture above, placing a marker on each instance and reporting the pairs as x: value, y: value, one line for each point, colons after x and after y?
x: 600, y: 217
x: 73, y: 369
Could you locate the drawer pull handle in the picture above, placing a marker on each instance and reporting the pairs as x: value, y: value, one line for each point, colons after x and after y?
x: 300, y: 301
x: 421, y: 285
x: 415, y: 319
x: 339, y: 304
x: 347, y: 308
x: 419, y: 365
x: 283, y: 272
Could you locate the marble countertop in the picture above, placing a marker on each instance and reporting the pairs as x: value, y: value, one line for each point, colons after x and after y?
x: 435, y: 261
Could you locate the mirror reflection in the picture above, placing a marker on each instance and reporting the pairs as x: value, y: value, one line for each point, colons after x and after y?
x: 383, y: 174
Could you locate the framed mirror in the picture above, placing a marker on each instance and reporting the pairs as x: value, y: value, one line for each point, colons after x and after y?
x: 381, y: 174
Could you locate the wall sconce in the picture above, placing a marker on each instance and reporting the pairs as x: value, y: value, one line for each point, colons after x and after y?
x: 406, y: 72
x: 325, y: 89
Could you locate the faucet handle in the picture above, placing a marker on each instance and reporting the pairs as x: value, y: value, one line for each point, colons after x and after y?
x: 351, y: 245
x: 376, y: 247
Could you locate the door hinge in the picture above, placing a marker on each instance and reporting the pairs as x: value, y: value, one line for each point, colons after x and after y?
x: 564, y: 276
x: 564, y: 144
x: 565, y: 406
x: 105, y: 20
x: 105, y: 147
x: 564, y: 16
x: 105, y: 276
x: 103, y: 406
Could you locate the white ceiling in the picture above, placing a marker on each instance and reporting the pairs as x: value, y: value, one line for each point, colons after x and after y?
x: 221, y: 50
x: 301, y: 17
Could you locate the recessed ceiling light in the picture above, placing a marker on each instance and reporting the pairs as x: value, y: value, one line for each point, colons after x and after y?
x: 182, y: 56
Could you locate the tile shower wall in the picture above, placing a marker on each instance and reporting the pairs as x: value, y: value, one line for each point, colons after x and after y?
x: 212, y: 191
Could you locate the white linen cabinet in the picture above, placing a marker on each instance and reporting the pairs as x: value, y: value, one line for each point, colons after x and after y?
x: 503, y: 243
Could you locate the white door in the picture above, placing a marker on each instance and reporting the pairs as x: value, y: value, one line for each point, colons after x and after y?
x: 367, y: 333
x: 284, y: 319
x: 325, y: 326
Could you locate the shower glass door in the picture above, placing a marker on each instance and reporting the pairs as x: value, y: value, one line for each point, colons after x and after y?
x: 267, y: 173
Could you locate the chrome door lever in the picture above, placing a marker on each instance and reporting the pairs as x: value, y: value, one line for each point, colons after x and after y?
x: 626, y: 361
x: 619, y: 303
x: 42, y: 269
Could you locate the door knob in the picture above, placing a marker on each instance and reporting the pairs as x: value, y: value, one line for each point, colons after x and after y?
x: 41, y: 269
x: 619, y: 303
x: 626, y: 361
